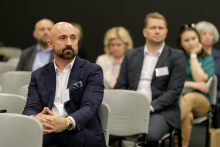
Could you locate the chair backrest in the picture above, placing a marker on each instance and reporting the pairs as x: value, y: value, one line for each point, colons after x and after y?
x: 5, y: 67
x: 12, y: 51
x: 106, y: 84
x: 20, y: 131
x: 11, y: 81
x: 130, y: 111
x: 13, y: 61
x: 213, y: 90
x: 23, y: 91
x: 104, y: 115
x: 12, y: 103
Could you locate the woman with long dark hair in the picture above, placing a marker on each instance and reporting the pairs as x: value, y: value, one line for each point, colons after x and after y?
x: 199, y: 68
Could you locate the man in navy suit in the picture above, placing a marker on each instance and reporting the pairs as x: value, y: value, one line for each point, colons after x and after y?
x: 65, y: 95
x: 159, y: 72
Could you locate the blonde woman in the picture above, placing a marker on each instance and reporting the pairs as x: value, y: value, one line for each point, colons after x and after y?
x: 117, y: 40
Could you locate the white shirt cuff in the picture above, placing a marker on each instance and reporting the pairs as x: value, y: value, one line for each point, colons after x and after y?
x: 151, y: 108
x: 74, y: 123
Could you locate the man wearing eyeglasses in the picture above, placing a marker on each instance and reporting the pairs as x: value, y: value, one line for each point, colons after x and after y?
x: 158, y: 71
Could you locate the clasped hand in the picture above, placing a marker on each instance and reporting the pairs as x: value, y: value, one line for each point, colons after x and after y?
x: 52, y: 122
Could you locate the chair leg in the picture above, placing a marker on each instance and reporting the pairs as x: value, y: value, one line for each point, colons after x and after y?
x: 179, y: 138
x: 215, y: 117
x: 207, y: 132
x: 120, y: 142
x: 171, y: 139
x: 163, y: 143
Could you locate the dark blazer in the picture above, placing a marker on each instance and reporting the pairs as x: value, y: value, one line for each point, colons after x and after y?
x: 165, y: 89
x: 27, y: 59
x: 216, y: 56
x: 86, y: 94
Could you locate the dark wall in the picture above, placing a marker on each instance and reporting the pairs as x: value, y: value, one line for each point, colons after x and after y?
x: 97, y: 16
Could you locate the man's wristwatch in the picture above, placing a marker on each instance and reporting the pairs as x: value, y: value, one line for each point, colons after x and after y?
x: 69, y: 125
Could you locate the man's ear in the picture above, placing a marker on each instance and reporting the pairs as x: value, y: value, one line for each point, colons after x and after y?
x: 144, y: 32
x: 34, y: 34
x: 50, y: 45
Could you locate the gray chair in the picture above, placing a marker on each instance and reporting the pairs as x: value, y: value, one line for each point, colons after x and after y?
x: 126, y: 119
x: 23, y: 91
x: 104, y: 115
x: 20, y: 131
x: 12, y: 103
x: 5, y: 67
x: 12, y: 51
x: 13, y: 61
x: 213, y: 95
x: 106, y: 84
x: 11, y: 81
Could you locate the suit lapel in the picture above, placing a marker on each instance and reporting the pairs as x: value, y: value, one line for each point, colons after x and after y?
x: 75, y: 72
x: 138, y: 63
x: 161, y: 60
x: 51, y: 83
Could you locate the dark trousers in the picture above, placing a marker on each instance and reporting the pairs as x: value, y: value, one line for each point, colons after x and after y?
x: 64, y: 139
x: 158, y: 127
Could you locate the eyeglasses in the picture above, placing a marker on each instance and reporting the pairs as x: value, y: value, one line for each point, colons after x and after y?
x: 192, y: 25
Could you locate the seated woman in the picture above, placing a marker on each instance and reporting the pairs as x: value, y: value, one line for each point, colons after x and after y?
x: 209, y: 36
x: 117, y: 40
x: 199, y: 68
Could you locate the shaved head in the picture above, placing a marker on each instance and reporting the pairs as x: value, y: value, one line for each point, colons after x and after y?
x: 58, y: 27
x: 42, y: 22
x: 63, y: 40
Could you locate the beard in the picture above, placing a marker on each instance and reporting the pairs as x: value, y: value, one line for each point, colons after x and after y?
x: 42, y: 42
x: 68, y: 55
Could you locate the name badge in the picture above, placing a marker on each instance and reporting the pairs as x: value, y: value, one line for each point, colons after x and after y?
x: 65, y: 96
x: 162, y: 71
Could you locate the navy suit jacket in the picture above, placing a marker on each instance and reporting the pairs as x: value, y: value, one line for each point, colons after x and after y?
x: 85, y: 98
x: 166, y: 89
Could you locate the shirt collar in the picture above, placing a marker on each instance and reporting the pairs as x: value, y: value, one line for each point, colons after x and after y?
x: 68, y: 67
x: 156, y: 53
x: 40, y: 49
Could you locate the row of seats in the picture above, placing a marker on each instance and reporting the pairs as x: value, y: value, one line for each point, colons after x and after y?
x: 11, y: 51
x: 118, y: 101
x: 28, y: 131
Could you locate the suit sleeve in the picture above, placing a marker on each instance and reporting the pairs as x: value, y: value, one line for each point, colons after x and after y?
x: 33, y: 105
x: 122, y: 80
x: 175, y: 85
x: 20, y: 66
x: 91, y: 100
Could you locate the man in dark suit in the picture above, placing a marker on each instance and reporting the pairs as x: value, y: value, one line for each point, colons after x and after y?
x: 39, y: 54
x: 70, y: 90
x: 158, y: 71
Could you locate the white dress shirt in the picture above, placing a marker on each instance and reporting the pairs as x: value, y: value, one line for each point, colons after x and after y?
x: 150, y: 61
x: 62, y: 94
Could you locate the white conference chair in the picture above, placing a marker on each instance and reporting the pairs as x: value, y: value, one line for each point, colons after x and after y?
x: 11, y: 81
x: 106, y: 84
x: 23, y: 91
x: 213, y: 95
x: 13, y: 61
x: 5, y: 67
x: 12, y: 51
x: 104, y: 115
x: 20, y: 131
x: 130, y: 111
x: 12, y: 103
